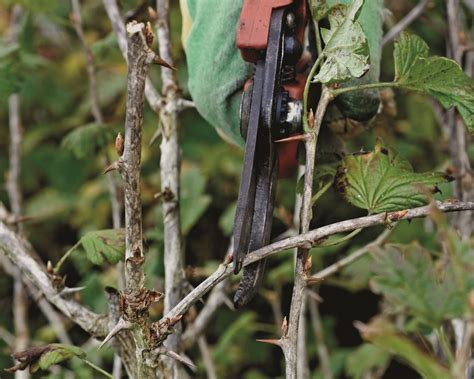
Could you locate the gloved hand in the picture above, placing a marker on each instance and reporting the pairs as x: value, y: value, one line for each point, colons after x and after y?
x: 217, y: 73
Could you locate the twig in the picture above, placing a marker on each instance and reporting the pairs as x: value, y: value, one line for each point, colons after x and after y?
x: 196, y: 329
x: 289, y: 342
x: 301, y: 352
x: 139, y: 59
x: 405, y: 22
x: 323, y: 352
x: 458, y: 139
x: 20, y: 299
x: 154, y: 99
x: 308, y: 240
x: 207, y: 358
x: 77, y: 23
x: 170, y: 178
x: 359, y: 253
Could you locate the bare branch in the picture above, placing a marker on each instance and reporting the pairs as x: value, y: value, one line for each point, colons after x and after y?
x: 405, y: 22
x: 170, y: 178
x: 77, y: 23
x: 197, y: 328
x: 323, y: 352
x: 118, y: 26
x: 346, y: 261
x: 207, y: 358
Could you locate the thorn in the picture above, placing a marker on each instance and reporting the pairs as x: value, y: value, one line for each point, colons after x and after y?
x: 270, y: 341
x: 119, y: 144
x: 156, y: 135
x: 148, y: 34
x: 157, y: 60
x: 308, y: 264
x: 315, y: 296
x: 181, y: 359
x: 299, y: 137
x: 311, y: 118
x: 121, y: 325
x: 229, y: 303
x: 50, y: 268
x: 69, y: 290
x: 152, y: 13
x: 112, y: 167
x: 284, y: 326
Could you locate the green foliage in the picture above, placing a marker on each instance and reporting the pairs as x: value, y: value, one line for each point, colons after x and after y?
x: 439, y: 77
x: 87, y: 140
x: 366, y: 359
x: 408, y: 278
x: 58, y: 353
x: 345, y: 49
x: 382, y: 334
x: 104, y: 246
x: 382, y: 181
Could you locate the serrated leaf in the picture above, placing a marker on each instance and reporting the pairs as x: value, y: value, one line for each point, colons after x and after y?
x: 194, y: 201
x: 84, y: 141
x: 383, y: 181
x: 58, y: 353
x: 439, y: 77
x: 106, y: 245
x: 407, y: 277
x: 43, y: 357
x: 345, y: 45
x: 366, y: 359
x: 383, y: 334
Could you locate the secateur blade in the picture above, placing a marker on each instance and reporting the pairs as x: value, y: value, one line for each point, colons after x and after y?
x: 263, y: 119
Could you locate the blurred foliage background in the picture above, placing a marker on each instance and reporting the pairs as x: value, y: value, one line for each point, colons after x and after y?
x: 66, y: 194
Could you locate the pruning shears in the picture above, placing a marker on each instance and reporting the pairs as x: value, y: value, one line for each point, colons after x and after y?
x: 271, y: 36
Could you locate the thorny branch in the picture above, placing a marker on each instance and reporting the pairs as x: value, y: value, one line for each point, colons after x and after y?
x: 308, y: 240
x: 289, y: 340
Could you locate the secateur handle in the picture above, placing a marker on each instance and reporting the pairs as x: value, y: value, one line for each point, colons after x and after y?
x: 254, y: 25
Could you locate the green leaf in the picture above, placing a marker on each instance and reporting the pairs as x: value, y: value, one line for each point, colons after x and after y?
x: 366, y: 359
x: 383, y: 181
x: 104, y: 245
x: 439, y: 77
x: 58, y: 353
x: 345, y: 49
x: 85, y: 141
x: 193, y: 200
x: 383, y: 334
x: 409, y: 280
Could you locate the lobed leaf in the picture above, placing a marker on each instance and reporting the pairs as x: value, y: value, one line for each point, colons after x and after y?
x: 104, y: 245
x: 408, y: 278
x: 382, y: 181
x: 439, y: 77
x: 345, y: 45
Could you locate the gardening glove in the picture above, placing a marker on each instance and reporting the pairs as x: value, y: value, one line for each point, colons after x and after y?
x: 217, y: 72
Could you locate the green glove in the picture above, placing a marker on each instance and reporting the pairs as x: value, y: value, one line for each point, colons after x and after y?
x: 217, y: 72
